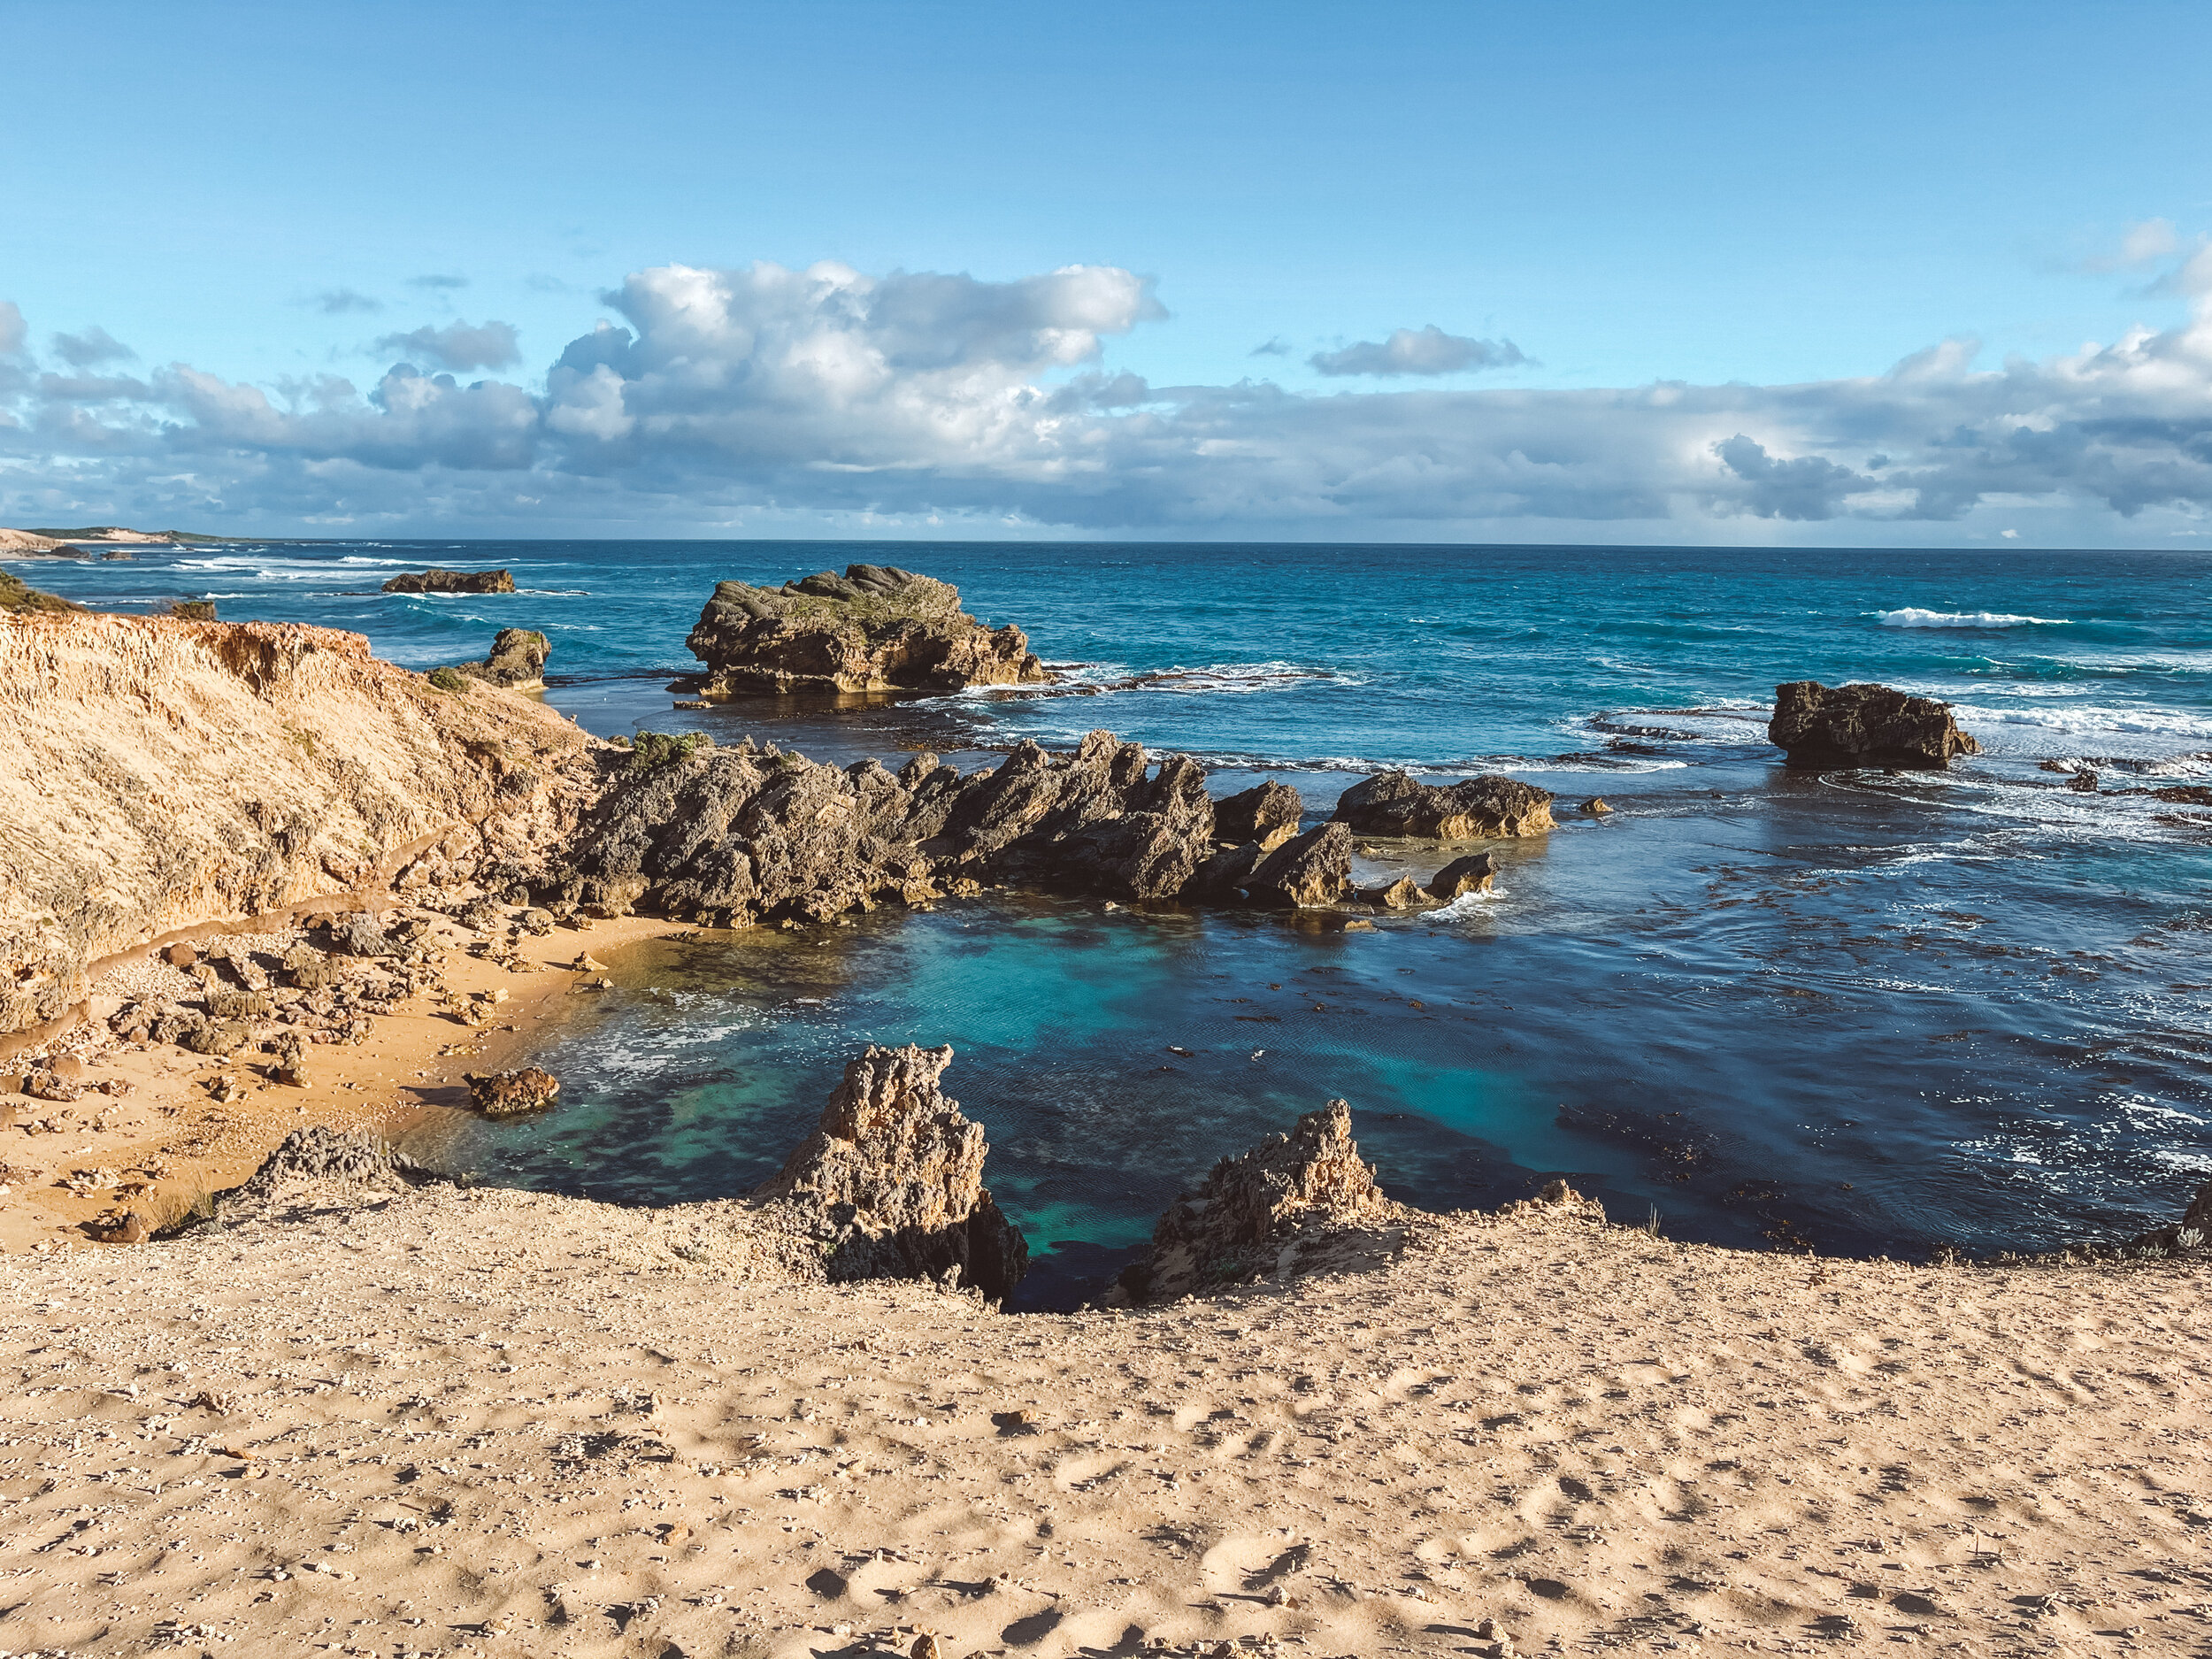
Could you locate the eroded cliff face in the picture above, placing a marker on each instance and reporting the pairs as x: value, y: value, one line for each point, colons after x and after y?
x: 158, y: 773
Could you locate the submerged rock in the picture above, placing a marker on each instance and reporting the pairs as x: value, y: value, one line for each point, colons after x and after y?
x: 1394, y: 803
x: 444, y: 581
x: 1256, y: 1213
x: 517, y: 660
x: 893, y: 1181
x: 1817, y: 725
x: 875, y: 628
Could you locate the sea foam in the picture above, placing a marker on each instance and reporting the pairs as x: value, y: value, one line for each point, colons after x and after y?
x: 1913, y: 617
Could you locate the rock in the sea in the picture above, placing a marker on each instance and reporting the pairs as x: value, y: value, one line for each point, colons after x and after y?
x: 1267, y: 814
x: 1394, y: 803
x: 1461, y: 876
x: 443, y: 581
x: 2192, y: 1233
x: 893, y: 1181
x: 1816, y: 725
x: 517, y: 660
x: 1314, y: 868
x: 531, y: 1089
x: 875, y: 628
x: 1401, y: 894
x: 1254, y: 1211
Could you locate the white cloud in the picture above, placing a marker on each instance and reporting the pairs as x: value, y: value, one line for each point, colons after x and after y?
x: 1428, y: 351
x: 709, y: 394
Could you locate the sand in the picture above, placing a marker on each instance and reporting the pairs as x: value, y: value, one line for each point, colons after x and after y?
x: 169, y: 1143
x: 448, y: 1421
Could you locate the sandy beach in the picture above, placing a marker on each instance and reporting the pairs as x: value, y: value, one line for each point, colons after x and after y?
x: 454, y: 1421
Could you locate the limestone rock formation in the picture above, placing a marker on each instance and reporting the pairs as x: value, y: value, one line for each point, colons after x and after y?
x: 1267, y: 814
x: 1461, y: 876
x: 531, y: 1089
x: 1394, y: 803
x: 443, y: 581
x: 156, y: 774
x: 1257, y: 1212
x: 1816, y: 725
x: 1314, y: 868
x: 875, y: 628
x: 737, y: 835
x: 517, y: 661
x: 320, y: 1153
x: 893, y: 1181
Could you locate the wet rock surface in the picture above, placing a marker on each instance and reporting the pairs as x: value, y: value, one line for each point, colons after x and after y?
x: 1396, y: 804
x: 1261, y: 1212
x: 436, y: 581
x: 1818, y: 725
x: 892, y: 1181
x: 875, y: 628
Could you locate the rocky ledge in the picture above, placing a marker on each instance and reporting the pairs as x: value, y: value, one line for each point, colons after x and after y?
x: 892, y: 1181
x: 443, y: 581
x: 1817, y: 725
x: 875, y: 628
x: 517, y: 661
x: 1491, y: 806
x: 1263, y: 1212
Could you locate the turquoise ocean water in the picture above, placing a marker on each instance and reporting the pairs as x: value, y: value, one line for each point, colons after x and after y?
x: 1867, y: 1012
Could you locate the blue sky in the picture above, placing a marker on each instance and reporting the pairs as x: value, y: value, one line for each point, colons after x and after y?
x: 1588, y: 199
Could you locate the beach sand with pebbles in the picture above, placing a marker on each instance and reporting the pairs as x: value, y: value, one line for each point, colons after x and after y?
x: 474, y: 1421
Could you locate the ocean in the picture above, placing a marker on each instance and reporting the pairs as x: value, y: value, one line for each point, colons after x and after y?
x: 1869, y: 1014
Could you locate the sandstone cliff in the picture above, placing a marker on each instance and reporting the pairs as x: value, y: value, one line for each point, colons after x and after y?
x: 875, y: 628
x: 158, y: 773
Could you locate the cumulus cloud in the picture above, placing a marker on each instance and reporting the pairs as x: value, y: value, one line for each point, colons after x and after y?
x: 705, y: 392
x: 458, y: 345
x: 2144, y: 243
x: 340, y: 302
x: 1428, y: 351
x: 90, y: 349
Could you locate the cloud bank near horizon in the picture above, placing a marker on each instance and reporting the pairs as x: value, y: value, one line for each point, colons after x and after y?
x: 710, y: 392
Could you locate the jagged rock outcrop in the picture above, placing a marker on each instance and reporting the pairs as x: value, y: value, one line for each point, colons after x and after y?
x: 1267, y: 814
x: 156, y: 774
x: 1259, y: 1213
x: 1394, y: 803
x: 1817, y: 725
x: 892, y: 1180
x: 737, y: 835
x: 443, y: 581
x: 875, y: 628
x: 517, y: 661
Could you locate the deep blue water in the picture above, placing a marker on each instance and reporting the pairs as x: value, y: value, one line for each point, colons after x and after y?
x: 1871, y: 1012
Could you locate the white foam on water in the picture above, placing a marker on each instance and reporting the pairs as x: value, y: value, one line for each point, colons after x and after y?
x: 1465, y: 905
x: 1913, y: 617
x: 2107, y: 720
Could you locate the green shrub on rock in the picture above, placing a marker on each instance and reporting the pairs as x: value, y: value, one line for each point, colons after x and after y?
x: 447, y: 680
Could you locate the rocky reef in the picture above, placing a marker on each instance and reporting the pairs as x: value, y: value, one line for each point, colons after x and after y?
x: 875, y: 628
x: 1818, y: 725
x: 516, y: 661
x: 736, y: 834
x: 444, y: 581
x: 1259, y: 1214
x: 1394, y: 803
x: 160, y: 773
x: 891, y: 1183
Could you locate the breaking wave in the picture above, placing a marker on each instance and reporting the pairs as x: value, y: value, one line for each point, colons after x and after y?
x: 1913, y: 617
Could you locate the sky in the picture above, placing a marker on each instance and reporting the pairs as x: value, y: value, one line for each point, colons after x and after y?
x: 1928, y: 274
